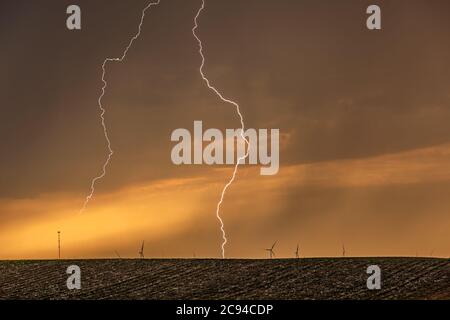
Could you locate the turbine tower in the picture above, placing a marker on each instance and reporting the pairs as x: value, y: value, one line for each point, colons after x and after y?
x: 59, y: 244
x: 141, y: 253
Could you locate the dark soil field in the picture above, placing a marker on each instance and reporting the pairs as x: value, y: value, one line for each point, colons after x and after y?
x: 324, y: 278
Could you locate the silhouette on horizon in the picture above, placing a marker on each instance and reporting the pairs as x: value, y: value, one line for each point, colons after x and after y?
x: 270, y: 250
x: 141, y: 253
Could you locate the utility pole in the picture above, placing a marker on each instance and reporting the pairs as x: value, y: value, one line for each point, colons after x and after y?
x: 59, y: 244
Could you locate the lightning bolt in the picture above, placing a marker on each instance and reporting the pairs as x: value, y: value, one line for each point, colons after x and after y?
x: 102, y: 109
x: 105, y: 131
x: 241, y: 118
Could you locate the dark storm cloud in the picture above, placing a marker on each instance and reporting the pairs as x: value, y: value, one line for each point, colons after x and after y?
x: 310, y: 68
x: 345, y: 91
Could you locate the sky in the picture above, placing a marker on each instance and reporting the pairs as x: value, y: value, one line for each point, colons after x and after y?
x: 363, y: 118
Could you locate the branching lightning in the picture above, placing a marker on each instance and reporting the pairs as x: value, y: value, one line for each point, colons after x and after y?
x: 241, y: 159
x: 102, y: 109
x: 105, y: 131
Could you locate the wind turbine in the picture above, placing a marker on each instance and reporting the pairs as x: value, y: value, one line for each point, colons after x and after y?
x: 296, y: 252
x: 59, y: 244
x: 270, y: 250
x: 141, y: 253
